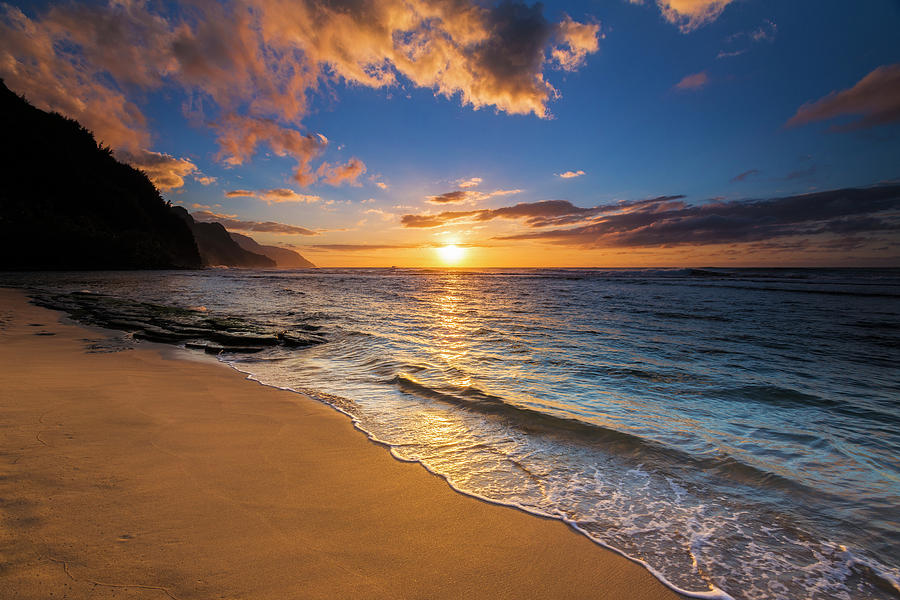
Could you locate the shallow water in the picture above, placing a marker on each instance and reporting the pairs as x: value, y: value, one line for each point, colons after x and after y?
x: 736, y: 430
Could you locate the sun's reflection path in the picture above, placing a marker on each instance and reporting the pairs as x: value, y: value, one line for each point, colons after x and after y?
x: 451, y: 334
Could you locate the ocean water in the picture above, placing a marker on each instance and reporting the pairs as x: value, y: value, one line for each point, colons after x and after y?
x: 736, y: 431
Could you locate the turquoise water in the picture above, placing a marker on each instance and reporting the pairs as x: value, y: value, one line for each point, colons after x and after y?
x: 737, y: 431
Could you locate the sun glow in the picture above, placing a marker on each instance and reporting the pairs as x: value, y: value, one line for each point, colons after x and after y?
x: 451, y: 254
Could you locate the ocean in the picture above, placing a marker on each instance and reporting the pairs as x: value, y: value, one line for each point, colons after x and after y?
x: 737, y: 431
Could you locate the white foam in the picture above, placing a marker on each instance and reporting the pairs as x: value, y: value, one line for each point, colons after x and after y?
x: 714, y: 593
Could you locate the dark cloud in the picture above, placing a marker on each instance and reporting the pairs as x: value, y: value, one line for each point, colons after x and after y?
x: 858, y: 225
x: 230, y: 222
x: 876, y: 98
x: 449, y: 197
x: 855, y: 210
x: 743, y: 176
x: 467, y: 196
x: 515, y: 50
x: 546, y: 213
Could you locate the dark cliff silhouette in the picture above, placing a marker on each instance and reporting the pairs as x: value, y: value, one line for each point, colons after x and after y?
x: 284, y: 258
x: 217, y: 248
x: 66, y: 203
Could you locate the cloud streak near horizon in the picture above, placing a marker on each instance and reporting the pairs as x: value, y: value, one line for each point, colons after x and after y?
x: 230, y: 222
x: 545, y: 213
x: 842, y: 212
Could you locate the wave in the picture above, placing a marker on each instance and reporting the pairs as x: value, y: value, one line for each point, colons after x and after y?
x: 348, y: 408
x: 664, y: 458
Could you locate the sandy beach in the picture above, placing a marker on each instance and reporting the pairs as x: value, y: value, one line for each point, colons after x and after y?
x: 137, y: 474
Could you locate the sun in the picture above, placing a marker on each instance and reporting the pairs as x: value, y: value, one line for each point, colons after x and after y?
x: 451, y: 254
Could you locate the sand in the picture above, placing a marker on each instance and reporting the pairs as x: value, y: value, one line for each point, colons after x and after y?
x: 139, y: 474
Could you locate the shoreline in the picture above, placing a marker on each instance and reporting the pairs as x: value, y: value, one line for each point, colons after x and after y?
x: 180, y: 478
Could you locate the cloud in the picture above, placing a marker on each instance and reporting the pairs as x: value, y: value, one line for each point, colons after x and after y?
x: 204, y: 179
x: 764, y: 33
x: 33, y: 63
x: 382, y: 214
x: 349, y: 172
x: 356, y: 247
x: 238, y: 138
x: 691, y: 14
x: 229, y: 222
x: 165, y: 171
x: 857, y: 210
x: 450, y: 197
x: 468, y: 196
x: 469, y: 183
x: 282, y: 195
x: 694, y: 81
x: 275, y: 195
x: 745, y: 175
x: 571, y: 174
x: 382, y: 185
x: 576, y: 41
x: 875, y: 98
x: 254, y: 63
x: 688, y: 15
x: 535, y: 214
x: 732, y: 54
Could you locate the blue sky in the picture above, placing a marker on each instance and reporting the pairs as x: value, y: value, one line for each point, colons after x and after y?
x: 620, y: 117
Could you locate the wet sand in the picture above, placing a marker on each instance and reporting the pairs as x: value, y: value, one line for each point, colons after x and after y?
x: 139, y: 474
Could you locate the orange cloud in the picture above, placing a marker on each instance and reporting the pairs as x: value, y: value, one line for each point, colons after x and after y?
x: 688, y: 15
x: 571, y: 174
x: 691, y: 14
x: 875, y: 97
x: 349, y: 172
x: 275, y: 195
x: 469, y: 183
x: 165, y: 171
x: 281, y: 195
x: 254, y: 62
x: 204, y: 179
x: 239, y: 136
x: 693, y: 82
x: 31, y: 63
x: 576, y: 41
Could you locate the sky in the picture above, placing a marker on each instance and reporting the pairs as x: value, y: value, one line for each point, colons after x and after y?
x: 603, y: 133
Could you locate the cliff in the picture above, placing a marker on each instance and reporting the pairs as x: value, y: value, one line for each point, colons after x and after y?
x: 66, y: 203
x: 217, y: 248
x: 284, y: 258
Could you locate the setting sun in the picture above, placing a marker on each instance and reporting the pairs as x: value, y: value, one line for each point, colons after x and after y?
x: 451, y: 254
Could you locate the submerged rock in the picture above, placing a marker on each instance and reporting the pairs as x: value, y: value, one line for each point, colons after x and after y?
x: 192, y: 328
